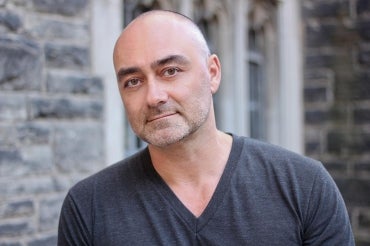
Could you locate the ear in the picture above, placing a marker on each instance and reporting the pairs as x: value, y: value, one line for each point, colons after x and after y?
x: 214, y: 69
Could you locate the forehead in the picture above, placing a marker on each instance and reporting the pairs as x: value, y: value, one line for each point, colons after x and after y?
x: 150, y: 38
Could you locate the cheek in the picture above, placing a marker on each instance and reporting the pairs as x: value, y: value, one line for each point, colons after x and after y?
x: 131, y: 109
x: 195, y: 85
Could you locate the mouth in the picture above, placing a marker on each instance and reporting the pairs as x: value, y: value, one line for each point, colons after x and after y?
x: 160, y: 116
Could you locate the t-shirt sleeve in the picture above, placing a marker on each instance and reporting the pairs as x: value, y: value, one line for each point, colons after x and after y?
x: 327, y: 221
x: 73, y: 229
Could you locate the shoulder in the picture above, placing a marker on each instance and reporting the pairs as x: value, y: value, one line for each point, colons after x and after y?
x: 269, y: 152
x: 275, y: 161
x: 289, y: 172
x: 300, y: 183
x: 122, y: 173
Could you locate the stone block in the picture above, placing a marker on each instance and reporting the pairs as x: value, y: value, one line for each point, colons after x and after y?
x: 342, y: 87
x: 54, y: 29
x: 350, y: 142
x: 16, y: 228
x: 312, y: 147
x: 74, y: 84
x: 336, y: 167
x: 364, y: 57
x: 325, y: 76
x: 339, y: 113
x: 359, y: 142
x: 17, y: 209
x: 355, y: 191
x: 10, y: 20
x: 33, y: 185
x: 328, y: 9
x: 361, y: 116
x: 8, y: 136
x: 336, y: 142
x: 31, y: 133
x: 26, y: 160
x: 49, y: 213
x: 20, y: 65
x: 363, y: 6
x: 315, y: 94
x: 360, y: 242
x: 9, y: 243
x: 79, y: 147
x: 37, y: 158
x: 67, y: 56
x: 359, y: 87
x: 364, y: 219
x: 3, y: 3
x: 316, y: 116
x: 62, y: 7
x: 315, y: 60
x: 320, y: 35
x: 44, y: 241
x: 363, y: 28
x: 334, y: 59
x: 10, y: 162
x: 362, y: 168
x: 333, y: 35
x: 22, y: 3
x: 65, y: 108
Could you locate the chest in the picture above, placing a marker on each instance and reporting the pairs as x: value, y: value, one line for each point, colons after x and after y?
x: 236, y: 217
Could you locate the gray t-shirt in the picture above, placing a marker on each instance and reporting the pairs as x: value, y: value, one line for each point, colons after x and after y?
x: 266, y: 196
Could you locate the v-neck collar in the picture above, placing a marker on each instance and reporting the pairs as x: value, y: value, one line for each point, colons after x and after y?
x: 196, y: 223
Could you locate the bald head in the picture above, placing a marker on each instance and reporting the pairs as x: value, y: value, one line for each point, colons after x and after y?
x: 160, y: 24
x: 188, y: 23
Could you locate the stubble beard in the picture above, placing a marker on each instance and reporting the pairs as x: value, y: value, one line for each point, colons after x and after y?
x: 177, y: 128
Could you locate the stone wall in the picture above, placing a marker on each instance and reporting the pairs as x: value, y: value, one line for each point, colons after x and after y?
x: 51, y: 114
x: 337, y: 99
x: 51, y: 108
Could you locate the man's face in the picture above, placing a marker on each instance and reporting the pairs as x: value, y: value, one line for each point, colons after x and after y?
x: 164, y: 82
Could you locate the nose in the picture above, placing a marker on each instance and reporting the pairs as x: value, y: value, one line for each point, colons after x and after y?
x: 156, y: 94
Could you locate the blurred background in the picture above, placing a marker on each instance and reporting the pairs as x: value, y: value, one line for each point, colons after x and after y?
x: 295, y: 73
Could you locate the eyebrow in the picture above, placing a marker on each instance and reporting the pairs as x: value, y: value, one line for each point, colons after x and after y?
x: 170, y: 59
x: 127, y: 71
x: 161, y: 62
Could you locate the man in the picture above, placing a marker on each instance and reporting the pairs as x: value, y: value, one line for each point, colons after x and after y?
x: 193, y: 184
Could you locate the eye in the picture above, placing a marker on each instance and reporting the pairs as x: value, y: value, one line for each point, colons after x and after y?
x: 131, y: 83
x: 170, y: 72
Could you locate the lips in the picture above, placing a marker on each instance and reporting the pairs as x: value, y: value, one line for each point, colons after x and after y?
x: 160, y: 116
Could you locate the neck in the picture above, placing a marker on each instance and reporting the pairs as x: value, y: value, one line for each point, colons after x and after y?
x: 192, y: 160
x: 193, y: 168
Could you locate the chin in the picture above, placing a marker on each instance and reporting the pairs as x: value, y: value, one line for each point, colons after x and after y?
x: 165, y: 138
